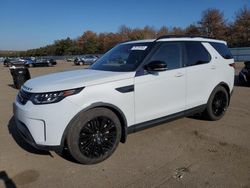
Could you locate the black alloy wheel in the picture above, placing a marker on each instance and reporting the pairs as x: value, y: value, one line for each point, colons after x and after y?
x: 94, y: 135
x: 97, y: 137
x: 219, y: 103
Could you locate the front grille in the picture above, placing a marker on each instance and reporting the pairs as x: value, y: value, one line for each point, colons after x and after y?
x: 23, y: 96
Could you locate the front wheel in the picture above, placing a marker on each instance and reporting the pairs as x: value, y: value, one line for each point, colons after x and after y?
x: 94, y: 135
x: 217, y: 104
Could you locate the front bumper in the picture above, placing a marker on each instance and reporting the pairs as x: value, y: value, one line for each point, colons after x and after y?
x: 25, y: 124
x: 26, y: 135
x: 43, y: 126
x: 24, y: 132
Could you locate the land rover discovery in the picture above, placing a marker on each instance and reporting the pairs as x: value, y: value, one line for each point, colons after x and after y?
x: 133, y: 86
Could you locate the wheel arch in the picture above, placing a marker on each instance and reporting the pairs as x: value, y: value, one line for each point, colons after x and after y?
x: 111, y: 107
x: 226, y: 86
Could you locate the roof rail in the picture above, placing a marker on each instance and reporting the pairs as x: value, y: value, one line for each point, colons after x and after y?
x: 183, y: 36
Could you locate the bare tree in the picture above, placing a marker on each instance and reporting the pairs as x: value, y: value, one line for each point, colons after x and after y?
x: 162, y: 31
x: 241, y: 27
x: 213, y: 24
x: 149, y: 32
x: 193, y: 30
x: 177, y: 31
x: 125, y: 32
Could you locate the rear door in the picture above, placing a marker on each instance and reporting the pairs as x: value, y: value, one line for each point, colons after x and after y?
x: 200, y: 71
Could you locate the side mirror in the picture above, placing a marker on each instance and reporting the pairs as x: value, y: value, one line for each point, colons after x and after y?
x: 156, y: 66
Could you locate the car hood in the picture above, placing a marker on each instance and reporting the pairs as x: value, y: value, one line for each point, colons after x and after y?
x: 73, y: 79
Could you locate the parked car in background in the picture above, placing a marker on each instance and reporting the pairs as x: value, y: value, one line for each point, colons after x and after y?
x: 28, y: 62
x: 2, y: 59
x: 85, y: 60
x: 32, y: 58
x: 8, y: 62
x: 244, y: 74
x: 48, y: 62
x: 70, y: 59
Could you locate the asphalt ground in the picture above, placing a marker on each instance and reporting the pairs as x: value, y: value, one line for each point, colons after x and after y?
x: 188, y: 152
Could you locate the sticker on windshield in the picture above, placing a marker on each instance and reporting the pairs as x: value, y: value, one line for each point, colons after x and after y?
x: 139, y: 48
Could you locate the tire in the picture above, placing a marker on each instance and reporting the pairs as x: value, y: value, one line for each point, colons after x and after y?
x: 217, y: 104
x: 94, y: 135
x: 81, y: 63
x: 49, y: 64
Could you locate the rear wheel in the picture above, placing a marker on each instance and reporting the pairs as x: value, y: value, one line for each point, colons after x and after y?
x: 217, y: 104
x: 94, y: 135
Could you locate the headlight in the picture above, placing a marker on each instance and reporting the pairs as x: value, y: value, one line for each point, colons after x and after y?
x: 53, y: 97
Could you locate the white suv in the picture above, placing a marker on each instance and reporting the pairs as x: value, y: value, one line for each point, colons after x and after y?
x: 135, y: 85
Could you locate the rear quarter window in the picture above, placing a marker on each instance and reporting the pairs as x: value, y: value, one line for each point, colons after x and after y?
x: 222, y: 49
x: 196, y: 54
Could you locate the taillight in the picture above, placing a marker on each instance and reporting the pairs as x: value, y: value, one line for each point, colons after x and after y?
x: 232, y: 65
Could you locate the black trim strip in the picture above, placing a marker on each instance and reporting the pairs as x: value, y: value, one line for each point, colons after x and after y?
x: 126, y: 89
x: 155, y: 122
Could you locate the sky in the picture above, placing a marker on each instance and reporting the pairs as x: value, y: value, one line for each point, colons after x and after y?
x: 27, y: 24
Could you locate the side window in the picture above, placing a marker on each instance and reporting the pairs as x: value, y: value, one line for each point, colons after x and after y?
x: 222, y: 49
x: 170, y: 53
x: 196, y: 54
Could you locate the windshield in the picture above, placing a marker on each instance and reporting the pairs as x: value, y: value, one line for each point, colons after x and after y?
x: 123, y: 57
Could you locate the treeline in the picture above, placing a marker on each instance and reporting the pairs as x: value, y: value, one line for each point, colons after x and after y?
x: 212, y: 24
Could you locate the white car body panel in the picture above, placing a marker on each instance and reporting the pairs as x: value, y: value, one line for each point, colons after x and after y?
x: 74, y: 79
x: 160, y: 94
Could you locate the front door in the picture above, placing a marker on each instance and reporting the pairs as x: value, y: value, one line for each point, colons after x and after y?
x: 161, y: 94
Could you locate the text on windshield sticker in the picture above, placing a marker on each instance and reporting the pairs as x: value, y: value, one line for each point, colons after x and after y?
x: 139, y: 48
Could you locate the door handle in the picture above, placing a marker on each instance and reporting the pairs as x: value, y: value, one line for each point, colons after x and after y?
x: 179, y: 74
x: 213, y: 67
